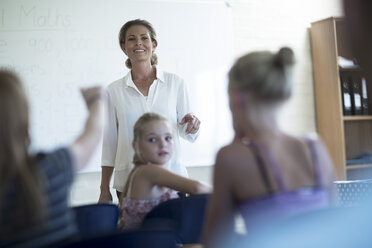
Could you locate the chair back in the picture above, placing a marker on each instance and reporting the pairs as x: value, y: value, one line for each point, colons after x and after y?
x: 143, y: 238
x: 184, y: 215
x: 354, y: 193
x: 94, y: 219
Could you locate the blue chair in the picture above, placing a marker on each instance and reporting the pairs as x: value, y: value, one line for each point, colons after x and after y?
x: 354, y: 193
x: 94, y: 219
x: 143, y: 238
x: 184, y: 215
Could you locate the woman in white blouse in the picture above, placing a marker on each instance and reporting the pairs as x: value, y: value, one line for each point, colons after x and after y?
x: 145, y: 88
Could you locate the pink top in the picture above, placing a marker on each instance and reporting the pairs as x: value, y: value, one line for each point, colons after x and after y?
x: 134, y: 211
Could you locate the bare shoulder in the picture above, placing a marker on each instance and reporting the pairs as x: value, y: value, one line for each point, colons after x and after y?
x: 322, y: 155
x: 302, y: 143
x: 150, y: 170
x: 234, y: 155
x: 311, y: 143
x: 228, y: 153
x: 317, y: 143
x: 154, y: 174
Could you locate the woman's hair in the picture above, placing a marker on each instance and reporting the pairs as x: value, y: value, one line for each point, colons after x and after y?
x: 138, y: 131
x: 123, y: 34
x: 264, y: 74
x: 18, y: 171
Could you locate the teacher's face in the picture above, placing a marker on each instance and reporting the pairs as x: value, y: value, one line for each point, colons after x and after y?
x: 138, y: 44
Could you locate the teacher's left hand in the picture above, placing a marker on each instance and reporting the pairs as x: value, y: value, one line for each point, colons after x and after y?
x: 193, y: 123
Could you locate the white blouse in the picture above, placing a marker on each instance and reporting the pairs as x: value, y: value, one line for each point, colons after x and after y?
x: 167, y: 96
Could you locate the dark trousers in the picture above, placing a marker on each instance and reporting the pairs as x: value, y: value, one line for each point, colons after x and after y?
x: 118, y: 194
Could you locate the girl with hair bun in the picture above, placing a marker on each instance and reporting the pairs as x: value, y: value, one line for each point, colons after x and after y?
x: 265, y: 174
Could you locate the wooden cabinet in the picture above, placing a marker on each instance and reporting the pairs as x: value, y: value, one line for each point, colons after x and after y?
x: 346, y: 136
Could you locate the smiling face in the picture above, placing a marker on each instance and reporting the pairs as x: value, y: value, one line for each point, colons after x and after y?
x: 138, y: 45
x: 156, y: 142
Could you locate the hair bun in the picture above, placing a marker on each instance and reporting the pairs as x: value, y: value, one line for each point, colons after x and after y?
x: 284, y: 57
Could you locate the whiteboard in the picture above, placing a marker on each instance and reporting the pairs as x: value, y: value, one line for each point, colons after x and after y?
x: 59, y: 46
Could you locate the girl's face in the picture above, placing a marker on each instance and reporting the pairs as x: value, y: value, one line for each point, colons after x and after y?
x: 156, y: 142
x: 138, y: 44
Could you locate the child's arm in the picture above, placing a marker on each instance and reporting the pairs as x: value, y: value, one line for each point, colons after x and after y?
x: 84, y: 146
x: 160, y: 176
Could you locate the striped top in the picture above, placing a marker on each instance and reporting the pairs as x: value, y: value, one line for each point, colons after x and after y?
x: 57, y: 170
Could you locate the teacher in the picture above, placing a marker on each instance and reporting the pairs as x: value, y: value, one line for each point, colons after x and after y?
x: 144, y: 89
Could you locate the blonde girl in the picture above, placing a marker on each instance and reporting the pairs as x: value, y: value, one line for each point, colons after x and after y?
x: 149, y: 183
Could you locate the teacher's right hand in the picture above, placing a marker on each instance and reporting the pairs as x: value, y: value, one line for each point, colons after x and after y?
x: 105, y: 196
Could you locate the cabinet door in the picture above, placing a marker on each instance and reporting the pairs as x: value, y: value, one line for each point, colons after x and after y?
x: 329, y: 110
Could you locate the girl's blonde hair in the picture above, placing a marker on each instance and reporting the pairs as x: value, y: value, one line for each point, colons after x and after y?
x: 266, y: 75
x: 138, y: 131
x: 18, y: 170
x: 150, y: 28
